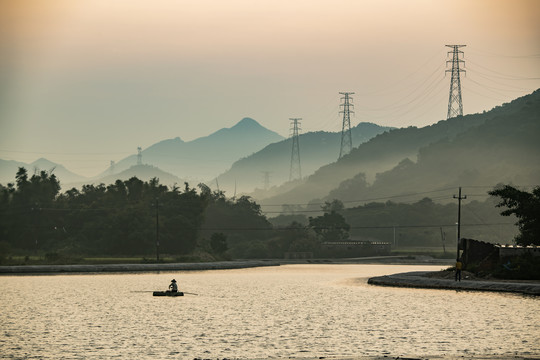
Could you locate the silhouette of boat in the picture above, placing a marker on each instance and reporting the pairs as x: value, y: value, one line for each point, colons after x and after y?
x: 168, y: 293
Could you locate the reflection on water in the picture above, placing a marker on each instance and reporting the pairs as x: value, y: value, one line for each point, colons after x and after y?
x: 287, y: 311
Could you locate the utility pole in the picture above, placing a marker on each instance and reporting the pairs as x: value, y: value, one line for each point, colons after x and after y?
x: 296, y: 171
x: 157, y: 229
x: 346, y: 136
x: 459, y: 197
x: 455, y: 105
x: 139, y: 155
x: 443, y: 238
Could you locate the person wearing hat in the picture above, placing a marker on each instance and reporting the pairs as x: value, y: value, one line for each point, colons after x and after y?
x: 173, y: 287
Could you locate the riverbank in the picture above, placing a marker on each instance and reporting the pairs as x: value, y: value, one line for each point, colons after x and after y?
x: 116, y: 268
x: 427, y: 280
x: 214, y: 265
x: 435, y: 357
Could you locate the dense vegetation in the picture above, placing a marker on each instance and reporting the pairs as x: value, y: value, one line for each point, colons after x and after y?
x: 421, y: 223
x: 497, y: 146
x: 526, y: 207
x: 127, y: 217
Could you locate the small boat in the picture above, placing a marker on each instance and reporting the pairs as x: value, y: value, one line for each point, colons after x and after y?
x: 168, y: 293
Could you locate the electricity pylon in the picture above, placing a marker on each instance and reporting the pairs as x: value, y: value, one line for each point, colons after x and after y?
x: 346, y: 136
x: 296, y: 171
x: 455, y: 105
x: 139, y: 155
x: 266, y: 179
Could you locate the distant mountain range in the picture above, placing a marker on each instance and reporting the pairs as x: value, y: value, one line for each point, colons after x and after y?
x: 8, y: 169
x: 316, y: 149
x: 247, y: 146
x: 206, y: 157
x: 170, y: 160
x: 478, y: 151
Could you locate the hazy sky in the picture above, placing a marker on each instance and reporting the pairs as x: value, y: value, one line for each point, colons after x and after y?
x: 85, y: 82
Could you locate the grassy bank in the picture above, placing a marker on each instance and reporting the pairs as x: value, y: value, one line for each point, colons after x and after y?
x: 56, y: 259
x: 434, y: 252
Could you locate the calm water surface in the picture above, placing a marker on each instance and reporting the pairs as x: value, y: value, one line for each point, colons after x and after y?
x: 287, y: 311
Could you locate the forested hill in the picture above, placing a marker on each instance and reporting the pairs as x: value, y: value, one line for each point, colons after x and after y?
x: 316, y: 149
x: 500, y: 145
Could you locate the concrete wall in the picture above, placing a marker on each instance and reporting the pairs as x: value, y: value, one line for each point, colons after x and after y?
x: 512, y: 250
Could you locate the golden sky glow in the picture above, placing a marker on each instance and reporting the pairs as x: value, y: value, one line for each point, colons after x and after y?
x: 77, y: 71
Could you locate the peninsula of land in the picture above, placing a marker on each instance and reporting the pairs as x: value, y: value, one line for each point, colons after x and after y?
x: 440, y: 280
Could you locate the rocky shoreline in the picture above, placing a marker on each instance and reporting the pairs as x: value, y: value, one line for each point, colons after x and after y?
x: 426, y: 280
x: 118, y: 268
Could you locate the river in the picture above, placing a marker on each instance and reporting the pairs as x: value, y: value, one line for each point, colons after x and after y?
x: 299, y: 311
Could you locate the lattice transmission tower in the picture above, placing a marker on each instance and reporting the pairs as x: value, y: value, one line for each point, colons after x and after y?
x: 266, y: 180
x: 455, y: 104
x: 139, y: 155
x: 346, y: 135
x: 296, y: 171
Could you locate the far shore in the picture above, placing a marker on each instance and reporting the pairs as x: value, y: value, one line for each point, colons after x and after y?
x: 119, y: 268
x: 217, y: 265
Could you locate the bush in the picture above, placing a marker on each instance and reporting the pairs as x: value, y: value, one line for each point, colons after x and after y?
x: 525, y: 267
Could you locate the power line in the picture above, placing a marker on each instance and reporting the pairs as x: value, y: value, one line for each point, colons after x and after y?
x: 500, y: 75
x: 279, y: 228
x: 491, y: 54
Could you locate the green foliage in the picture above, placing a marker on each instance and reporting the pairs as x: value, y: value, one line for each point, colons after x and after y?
x: 218, y: 243
x: 422, y: 223
x: 240, y: 217
x: 525, y: 267
x: 331, y: 226
x: 119, y: 219
x: 295, y: 237
x: 526, y: 207
x: 333, y: 206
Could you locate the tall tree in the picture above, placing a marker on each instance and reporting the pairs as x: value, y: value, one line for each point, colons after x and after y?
x: 526, y: 207
x: 331, y: 226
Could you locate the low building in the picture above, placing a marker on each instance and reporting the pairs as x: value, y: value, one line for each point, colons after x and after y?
x: 353, y: 248
x: 298, y: 255
x: 506, y: 251
x: 485, y: 256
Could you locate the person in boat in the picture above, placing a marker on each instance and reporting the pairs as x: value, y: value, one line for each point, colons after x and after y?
x: 173, y: 287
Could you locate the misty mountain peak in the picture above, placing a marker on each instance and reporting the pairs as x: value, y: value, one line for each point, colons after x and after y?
x: 43, y: 164
x: 246, y: 123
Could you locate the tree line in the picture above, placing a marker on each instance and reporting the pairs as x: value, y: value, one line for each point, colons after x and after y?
x: 141, y: 218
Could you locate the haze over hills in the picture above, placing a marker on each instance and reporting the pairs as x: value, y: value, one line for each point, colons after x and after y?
x: 474, y: 150
x: 171, y: 160
x: 316, y: 149
x: 144, y: 173
x: 482, y: 150
x: 8, y: 169
x: 204, y: 158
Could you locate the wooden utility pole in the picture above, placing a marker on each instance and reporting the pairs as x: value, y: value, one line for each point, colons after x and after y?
x: 157, y: 229
x: 459, y: 197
